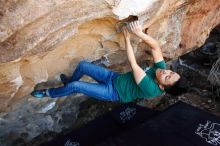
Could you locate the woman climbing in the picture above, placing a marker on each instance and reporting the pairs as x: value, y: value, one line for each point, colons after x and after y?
x: 126, y: 87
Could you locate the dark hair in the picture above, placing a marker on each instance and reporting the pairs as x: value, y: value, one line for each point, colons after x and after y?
x: 179, y: 87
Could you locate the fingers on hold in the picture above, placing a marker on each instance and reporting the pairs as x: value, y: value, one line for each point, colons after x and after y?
x: 126, y: 30
x: 132, y: 25
x: 137, y: 23
x: 123, y: 28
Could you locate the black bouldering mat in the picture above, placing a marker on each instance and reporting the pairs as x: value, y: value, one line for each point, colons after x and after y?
x: 112, y: 124
x: 180, y: 125
x: 131, y: 125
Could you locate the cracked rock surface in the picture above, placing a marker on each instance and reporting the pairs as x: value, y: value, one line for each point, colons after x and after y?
x: 41, y: 39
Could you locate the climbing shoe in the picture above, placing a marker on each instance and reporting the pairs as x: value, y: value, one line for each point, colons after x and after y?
x: 64, y: 79
x: 39, y: 93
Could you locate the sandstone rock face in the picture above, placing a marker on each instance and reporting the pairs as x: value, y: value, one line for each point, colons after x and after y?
x: 41, y: 39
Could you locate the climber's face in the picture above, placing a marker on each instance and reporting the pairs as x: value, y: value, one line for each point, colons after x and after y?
x: 166, y: 77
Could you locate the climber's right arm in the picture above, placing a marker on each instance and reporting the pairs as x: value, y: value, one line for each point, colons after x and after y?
x: 153, y: 44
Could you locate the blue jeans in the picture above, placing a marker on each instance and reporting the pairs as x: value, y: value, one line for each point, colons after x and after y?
x: 103, y: 90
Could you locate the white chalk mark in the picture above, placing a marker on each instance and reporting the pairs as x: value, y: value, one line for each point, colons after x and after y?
x: 132, y: 7
x: 210, y: 132
x: 70, y: 143
x: 127, y: 114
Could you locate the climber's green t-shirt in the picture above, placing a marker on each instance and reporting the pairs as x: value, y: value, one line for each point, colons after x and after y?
x: 128, y: 90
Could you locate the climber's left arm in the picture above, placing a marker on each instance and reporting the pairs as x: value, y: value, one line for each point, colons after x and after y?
x: 138, y: 72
